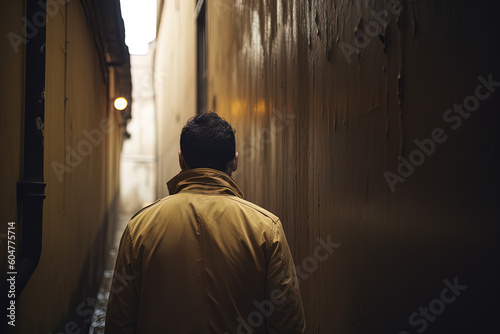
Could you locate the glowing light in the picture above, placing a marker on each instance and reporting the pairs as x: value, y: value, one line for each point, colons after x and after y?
x: 140, y: 24
x: 120, y: 103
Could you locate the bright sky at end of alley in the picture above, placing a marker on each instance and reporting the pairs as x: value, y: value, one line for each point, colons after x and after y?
x: 140, y: 24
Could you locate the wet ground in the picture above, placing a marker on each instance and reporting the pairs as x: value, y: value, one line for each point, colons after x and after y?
x: 99, y: 317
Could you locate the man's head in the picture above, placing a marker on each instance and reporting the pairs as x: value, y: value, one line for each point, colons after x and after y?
x: 207, y: 141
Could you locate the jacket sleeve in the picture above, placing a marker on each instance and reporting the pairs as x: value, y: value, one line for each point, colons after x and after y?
x: 123, y: 304
x: 284, y: 302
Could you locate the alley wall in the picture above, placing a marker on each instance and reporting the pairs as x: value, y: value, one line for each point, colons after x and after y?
x: 329, y: 98
x: 174, y: 84
x: 82, y: 145
x: 368, y: 126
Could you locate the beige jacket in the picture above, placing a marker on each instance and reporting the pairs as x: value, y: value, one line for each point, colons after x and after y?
x: 204, y: 260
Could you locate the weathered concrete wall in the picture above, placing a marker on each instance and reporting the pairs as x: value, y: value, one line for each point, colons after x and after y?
x: 321, y: 117
x: 138, y: 160
x: 174, y: 83
x: 82, y: 173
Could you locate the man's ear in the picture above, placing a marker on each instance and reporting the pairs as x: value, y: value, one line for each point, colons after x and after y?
x: 182, y: 162
x: 234, y: 165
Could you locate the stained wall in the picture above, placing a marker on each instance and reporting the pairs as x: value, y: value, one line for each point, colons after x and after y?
x: 323, y: 112
x: 329, y: 99
x: 138, y: 158
x: 174, y: 83
x: 82, y: 139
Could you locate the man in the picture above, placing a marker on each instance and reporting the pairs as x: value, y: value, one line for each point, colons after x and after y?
x: 204, y: 260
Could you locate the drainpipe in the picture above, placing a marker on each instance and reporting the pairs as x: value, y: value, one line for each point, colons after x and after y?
x: 31, y: 188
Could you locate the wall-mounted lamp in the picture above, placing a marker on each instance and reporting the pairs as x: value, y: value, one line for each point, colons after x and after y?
x: 120, y: 103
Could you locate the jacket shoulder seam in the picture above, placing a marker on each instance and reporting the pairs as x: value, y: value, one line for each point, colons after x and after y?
x: 273, y: 219
x: 150, y: 205
x: 132, y: 229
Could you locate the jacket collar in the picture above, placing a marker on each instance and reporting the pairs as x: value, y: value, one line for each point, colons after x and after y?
x: 204, y: 180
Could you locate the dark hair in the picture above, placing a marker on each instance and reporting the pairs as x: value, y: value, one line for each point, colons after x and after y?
x: 207, y: 141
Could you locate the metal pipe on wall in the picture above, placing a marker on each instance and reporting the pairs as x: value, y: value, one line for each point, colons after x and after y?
x: 31, y: 189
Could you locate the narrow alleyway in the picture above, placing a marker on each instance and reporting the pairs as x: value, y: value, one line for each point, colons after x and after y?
x: 370, y: 128
x: 99, y: 317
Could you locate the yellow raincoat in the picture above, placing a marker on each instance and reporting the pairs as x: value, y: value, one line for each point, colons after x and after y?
x: 204, y: 260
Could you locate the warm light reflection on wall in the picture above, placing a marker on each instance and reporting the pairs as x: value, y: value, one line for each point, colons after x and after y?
x: 237, y: 106
x: 260, y: 107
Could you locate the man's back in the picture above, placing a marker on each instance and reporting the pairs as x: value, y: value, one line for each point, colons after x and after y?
x: 205, y: 261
